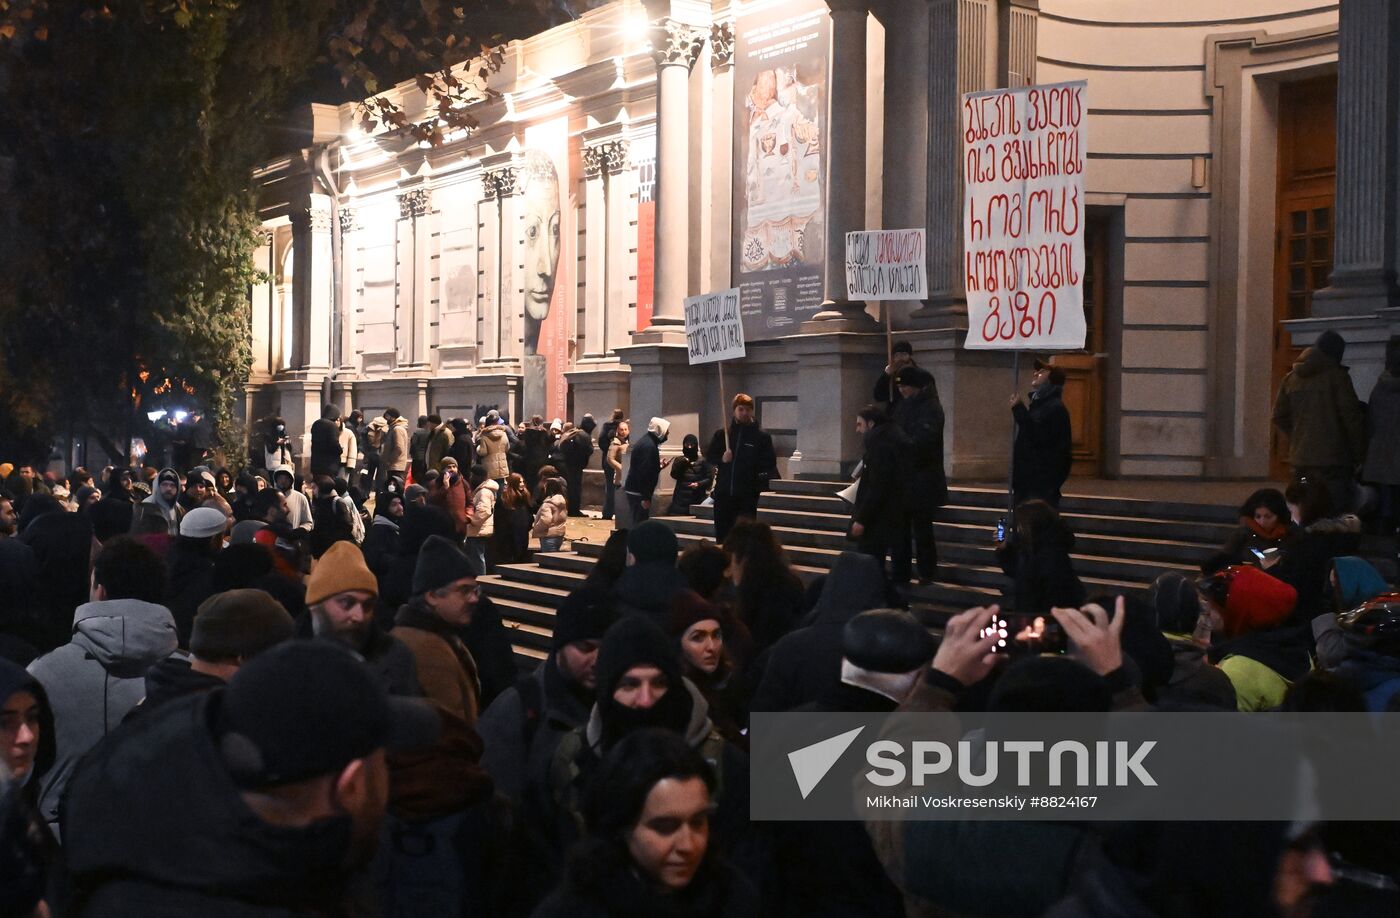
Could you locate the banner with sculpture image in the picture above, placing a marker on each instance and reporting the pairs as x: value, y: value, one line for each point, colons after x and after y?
x: 547, y: 281
x: 780, y: 86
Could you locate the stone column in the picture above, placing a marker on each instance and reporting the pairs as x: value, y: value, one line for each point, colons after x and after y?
x: 595, y: 255
x: 414, y: 207
x: 1368, y: 176
x: 722, y: 153
x: 311, y: 284
x: 604, y: 168
x: 845, y: 165
x: 676, y: 45
x: 349, y: 290
x: 1017, y: 37
x: 619, y: 288
x: 263, y: 306
x: 498, y: 184
x: 959, y: 61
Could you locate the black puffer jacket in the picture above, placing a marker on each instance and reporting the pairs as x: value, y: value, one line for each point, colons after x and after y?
x: 155, y: 828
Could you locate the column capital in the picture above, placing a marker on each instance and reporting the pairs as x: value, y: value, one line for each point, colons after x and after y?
x: 499, y: 183
x: 608, y: 156
x: 849, y: 6
x: 722, y: 44
x: 414, y: 203
x: 675, y: 43
x: 263, y: 236
x: 315, y: 219
x: 347, y: 220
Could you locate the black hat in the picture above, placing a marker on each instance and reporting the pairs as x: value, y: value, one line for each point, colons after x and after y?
x: 1331, y: 344
x: 309, y: 708
x: 1057, y: 374
x: 887, y: 641
x: 584, y: 615
x: 239, y: 623
x: 913, y: 376
x: 653, y: 541
x: 635, y: 641
x: 440, y: 563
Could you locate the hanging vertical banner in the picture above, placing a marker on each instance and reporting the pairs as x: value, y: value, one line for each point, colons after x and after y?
x: 1023, y: 217
x: 780, y: 73
x: 646, y: 240
x: 546, y: 214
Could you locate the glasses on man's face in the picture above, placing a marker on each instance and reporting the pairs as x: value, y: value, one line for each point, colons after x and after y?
x: 466, y: 592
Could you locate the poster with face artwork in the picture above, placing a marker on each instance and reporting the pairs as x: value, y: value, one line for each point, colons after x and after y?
x: 545, y: 206
x: 780, y: 71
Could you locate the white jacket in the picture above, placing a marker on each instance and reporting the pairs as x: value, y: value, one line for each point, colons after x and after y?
x: 483, y: 522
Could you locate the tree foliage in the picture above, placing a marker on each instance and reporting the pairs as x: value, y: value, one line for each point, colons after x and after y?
x: 129, y: 130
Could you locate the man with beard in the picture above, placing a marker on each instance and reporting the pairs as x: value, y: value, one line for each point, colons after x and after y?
x: 261, y: 798
x: 340, y: 597
x: 746, y: 464
x: 878, y: 518
x: 166, y: 496
x: 639, y: 684
x: 199, y: 486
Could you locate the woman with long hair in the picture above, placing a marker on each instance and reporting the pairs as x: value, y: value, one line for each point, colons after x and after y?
x: 648, y: 853
x: 1266, y: 529
x: 1036, y: 558
x: 769, y: 594
x: 511, y: 539
x: 714, y: 648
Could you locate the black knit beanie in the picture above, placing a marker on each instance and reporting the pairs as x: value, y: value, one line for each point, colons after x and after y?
x: 584, y: 615
x: 439, y: 563
x: 635, y: 641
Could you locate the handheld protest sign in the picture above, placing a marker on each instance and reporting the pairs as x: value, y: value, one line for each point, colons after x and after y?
x: 714, y: 332
x: 1023, y: 217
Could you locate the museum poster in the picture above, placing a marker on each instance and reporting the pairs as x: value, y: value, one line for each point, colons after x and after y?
x: 780, y: 65
x: 646, y: 240
x: 546, y: 225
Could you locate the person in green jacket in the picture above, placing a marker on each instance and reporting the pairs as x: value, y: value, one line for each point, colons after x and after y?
x: 1252, y: 645
x: 1318, y: 409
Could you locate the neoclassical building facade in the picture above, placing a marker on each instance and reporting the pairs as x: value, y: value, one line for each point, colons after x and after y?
x: 1241, y: 196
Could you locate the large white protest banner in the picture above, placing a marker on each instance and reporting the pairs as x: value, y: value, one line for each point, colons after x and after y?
x: 714, y: 329
x: 886, y: 265
x: 1023, y: 217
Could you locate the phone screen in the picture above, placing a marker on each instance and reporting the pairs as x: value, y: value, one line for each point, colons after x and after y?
x: 997, y: 626
x: 1001, y: 530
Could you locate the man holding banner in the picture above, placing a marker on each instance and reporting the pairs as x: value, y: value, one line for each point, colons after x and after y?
x: 746, y: 463
x: 1043, y: 453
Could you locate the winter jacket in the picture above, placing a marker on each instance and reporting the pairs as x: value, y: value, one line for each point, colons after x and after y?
x: 1318, y: 409
x: 646, y: 467
x: 448, y: 777
x: 577, y: 448
x: 534, y: 450
x: 157, y: 829
x: 1375, y: 675
x: 418, y: 453
x: 1043, y: 452
x: 606, y: 433
x: 349, y: 448
x: 452, y: 498
x: 325, y: 448
x: 553, y: 515
x: 1383, y: 418
x: 755, y: 463
x: 1307, y: 563
x: 879, y: 505
x: 648, y: 589
x: 1262, y: 664
x: 393, y: 451
x: 381, y: 545
x: 805, y: 665
x: 439, y: 443
x: 483, y: 516
x: 1194, y: 680
x: 687, y: 472
x: 612, y: 460
x: 494, y: 449
x: 523, y: 725
x: 172, y: 511
x: 921, y: 419
x: 1042, y: 573
x: 97, y: 677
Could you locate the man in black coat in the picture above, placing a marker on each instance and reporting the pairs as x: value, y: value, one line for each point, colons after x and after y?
x: 878, y: 520
x: 1041, y: 459
x: 919, y: 415
x: 577, y: 447
x: 746, y: 465
x: 325, y: 443
x: 645, y: 470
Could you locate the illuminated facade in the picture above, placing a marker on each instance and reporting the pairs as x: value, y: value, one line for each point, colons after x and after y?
x: 642, y: 154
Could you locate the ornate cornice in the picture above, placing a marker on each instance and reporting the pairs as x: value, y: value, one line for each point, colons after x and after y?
x: 675, y: 43
x: 499, y: 183
x: 722, y: 44
x: 264, y: 237
x: 413, y: 203
x: 610, y: 156
x: 347, y: 220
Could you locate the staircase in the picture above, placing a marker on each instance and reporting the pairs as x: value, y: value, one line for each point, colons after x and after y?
x: 1121, y: 545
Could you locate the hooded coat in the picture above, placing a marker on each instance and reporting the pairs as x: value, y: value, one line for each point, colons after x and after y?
x: 325, y: 447
x: 494, y: 449
x: 520, y: 733
x: 14, y: 679
x: 805, y: 665
x: 172, y: 511
x: 1318, y: 409
x: 645, y: 470
x: 298, y: 507
x: 95, y: 679
x: 157, y: 829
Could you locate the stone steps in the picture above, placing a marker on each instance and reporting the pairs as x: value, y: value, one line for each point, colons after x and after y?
x: 1122, y: 544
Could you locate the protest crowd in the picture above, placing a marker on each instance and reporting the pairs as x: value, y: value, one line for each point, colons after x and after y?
x: 285, y: 690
